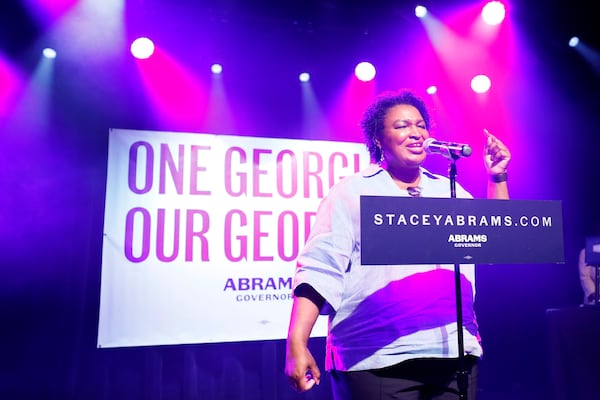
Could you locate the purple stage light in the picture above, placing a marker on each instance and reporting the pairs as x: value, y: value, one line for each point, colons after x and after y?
x: 365, y: 71
x: 142, y: 48
x: 493, y: 13
x: 481, y: 83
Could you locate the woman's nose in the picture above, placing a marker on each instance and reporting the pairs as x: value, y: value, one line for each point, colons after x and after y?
x: 415, y: 131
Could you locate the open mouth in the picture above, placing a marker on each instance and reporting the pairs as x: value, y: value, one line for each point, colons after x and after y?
x: 415, y: 146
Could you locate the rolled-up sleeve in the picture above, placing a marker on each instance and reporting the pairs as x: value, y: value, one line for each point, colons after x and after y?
x: 326, y: 256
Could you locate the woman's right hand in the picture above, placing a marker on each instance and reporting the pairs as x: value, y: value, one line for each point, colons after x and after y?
x: 300, y: 367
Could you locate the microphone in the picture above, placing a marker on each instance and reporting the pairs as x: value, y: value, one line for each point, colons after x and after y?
x: 450, y: 150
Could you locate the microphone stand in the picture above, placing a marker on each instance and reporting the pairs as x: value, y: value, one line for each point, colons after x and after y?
x: 462, y: 375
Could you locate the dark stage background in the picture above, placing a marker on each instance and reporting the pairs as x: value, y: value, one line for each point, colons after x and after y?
x: 53, y: 175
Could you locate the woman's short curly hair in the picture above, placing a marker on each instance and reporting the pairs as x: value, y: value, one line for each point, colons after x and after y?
x: 374, y: 116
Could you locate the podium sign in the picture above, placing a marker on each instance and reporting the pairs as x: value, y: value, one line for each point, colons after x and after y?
x: 406, y: 230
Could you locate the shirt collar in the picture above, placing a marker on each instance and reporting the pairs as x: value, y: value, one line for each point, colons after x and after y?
x: 374, y: 169
x: 371, y: 170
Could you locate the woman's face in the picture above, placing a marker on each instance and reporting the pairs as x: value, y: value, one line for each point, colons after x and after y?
x: 404, y: 131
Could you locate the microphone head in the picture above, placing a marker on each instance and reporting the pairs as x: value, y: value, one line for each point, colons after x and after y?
x: 450, y: 150
x: 466, y: 150
x: 426, y: 143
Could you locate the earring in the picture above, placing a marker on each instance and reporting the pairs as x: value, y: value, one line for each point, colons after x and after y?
x: 381, y: 156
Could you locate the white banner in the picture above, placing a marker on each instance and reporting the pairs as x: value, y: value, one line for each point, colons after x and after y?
x: 201, y: 233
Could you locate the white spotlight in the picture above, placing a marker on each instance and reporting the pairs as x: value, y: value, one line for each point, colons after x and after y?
x: 216, y: 69
x: 142, y: 48
x: 493, y: 13
x: 304, y: 77
x: 420, y: 11
x: 365, y: 71
x: 49, y: 53
x: 574, y: 41
x: 432, y: 89
x: 481, y: 83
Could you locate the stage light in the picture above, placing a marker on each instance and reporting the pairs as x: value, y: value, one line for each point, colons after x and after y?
x: 142, y: 48
x: 420, y: 11
x: 432, y: 89
x: 304, y: 77
x: 574, y: 41
x: 493, y: 13
x: 365, y: 71
x: 216, y: 69
x: 49, y: 53
x: 481, y: 83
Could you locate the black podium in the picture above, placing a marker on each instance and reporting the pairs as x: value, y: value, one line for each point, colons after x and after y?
x: 402, y: 231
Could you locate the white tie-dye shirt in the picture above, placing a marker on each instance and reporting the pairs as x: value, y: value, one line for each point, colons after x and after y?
x: 382, y: 315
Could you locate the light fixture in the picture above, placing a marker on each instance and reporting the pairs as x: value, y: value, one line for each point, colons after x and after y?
x: 493, y: 13
x: 574, y: 41
x: 365, y: 71
x: 142, y: 48
x: 420, y: 11
x: 304, y: 77
x: 481, y: 83
x: 49, y: 52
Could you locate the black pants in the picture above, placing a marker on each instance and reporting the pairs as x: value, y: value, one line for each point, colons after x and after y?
x: 419, y: 379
